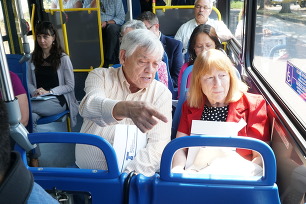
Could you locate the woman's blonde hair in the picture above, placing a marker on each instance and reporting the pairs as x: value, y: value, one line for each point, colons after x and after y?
x: 205, y: 63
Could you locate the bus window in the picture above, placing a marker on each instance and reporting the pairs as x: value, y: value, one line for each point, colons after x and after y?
x: 3, y: 31
x: 47, y: 4
x: 280, y: 53
x: 236, y: 19
x: 7, y: 36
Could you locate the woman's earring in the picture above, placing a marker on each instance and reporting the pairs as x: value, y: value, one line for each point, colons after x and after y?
x: 53, y: 43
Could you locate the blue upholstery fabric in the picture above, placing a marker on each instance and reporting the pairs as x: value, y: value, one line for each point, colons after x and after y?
x: 21, y: 71
x: 171, y: 187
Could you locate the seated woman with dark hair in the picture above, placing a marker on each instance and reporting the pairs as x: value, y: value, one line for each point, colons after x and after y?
x: 203, y: 38
x: 215, y: 88
x: 50, y: 72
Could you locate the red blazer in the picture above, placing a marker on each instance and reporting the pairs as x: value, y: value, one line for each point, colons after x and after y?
x: 250, y: 107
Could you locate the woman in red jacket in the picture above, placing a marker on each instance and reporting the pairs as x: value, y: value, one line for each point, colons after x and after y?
x: 215, y: 94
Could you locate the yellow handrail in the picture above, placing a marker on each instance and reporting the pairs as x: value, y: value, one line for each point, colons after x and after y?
x: 32, y: 22
x: 51, y: 11
x: 9, y: 30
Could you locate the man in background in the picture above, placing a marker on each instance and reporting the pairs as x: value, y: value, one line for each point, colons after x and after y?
x: 172, y: 47
x: 202, y: 10
x: 112, y: 17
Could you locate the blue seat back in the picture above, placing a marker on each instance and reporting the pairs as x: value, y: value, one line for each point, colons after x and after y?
x: 208, y: 188
x: 170, y: 81
x: 105, y: 186
x: 21, y: 70
x: 181, y: 100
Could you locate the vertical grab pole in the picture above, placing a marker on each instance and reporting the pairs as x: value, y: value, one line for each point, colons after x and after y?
x: 24, y: 27
x: 130, y: 9
x: 17, y: 131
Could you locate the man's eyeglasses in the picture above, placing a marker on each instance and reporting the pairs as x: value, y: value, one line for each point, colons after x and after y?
x: 149, y: 28
x: 204, y: 7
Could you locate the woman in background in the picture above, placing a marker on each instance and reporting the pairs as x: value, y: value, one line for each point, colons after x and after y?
x: 50, y: 72
x: 203, y: 38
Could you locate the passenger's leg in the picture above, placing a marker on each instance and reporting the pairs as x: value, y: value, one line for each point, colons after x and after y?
x: 42, y: 109
x: 45, y: 108
x: 111, y: 44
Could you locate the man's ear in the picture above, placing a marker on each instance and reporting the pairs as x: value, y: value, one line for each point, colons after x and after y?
x: 157, y: 26
x: 122, y: 56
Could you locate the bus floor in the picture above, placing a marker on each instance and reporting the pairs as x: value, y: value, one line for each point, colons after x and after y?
x: 60, y: 154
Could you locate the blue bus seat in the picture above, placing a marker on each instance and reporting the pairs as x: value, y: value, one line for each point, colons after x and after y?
x: 21, y: 70
x: 207, y: 188
x: 105, y: 186
x: 60, y: 117
x: 170, y: 81
x: 181, y: 100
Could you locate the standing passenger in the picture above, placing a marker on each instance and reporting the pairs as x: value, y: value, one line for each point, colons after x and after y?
x: 128, y: 95
x: 51, y: 72
x: 172, y: 47
x: 202, y: 10
x: 112, y: 17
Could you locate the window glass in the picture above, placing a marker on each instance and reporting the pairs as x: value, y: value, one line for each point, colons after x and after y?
x: 26, y: 16
x: 236, y: 18
x: 3, y: 31
x: 280, y: 51
x: 47, y: 4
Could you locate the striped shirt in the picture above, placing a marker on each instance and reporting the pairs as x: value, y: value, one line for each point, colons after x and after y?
x: 104, y: 88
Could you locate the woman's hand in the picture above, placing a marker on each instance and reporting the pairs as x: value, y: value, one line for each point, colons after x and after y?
x: 41, y: 91
x: 178, y: 169
x: 257, y: 158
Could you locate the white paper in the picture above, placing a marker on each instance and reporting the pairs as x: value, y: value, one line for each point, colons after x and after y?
x: 128, y: 141
x: 201, y: 127
x: 214, y: 128
x: 224, y: 163
x: 43, y: 97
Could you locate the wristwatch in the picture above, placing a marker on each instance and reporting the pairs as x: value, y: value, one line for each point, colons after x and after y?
x: 51, y: 92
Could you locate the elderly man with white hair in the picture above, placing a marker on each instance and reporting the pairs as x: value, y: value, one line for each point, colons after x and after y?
x: 128, y: 95
x: 202, y: 10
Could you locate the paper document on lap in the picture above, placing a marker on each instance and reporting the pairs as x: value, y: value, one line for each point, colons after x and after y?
x: 128, y: 141
x: 201, y: 127
x: 214, y: 128
x: 218, y: 160
x: 43, y: 97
